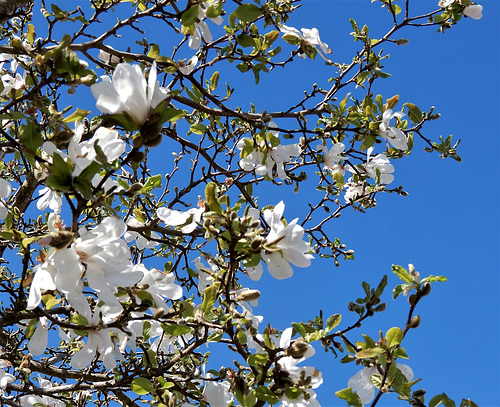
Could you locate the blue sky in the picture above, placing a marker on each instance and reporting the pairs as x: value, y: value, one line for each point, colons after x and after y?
x: 449, y: 225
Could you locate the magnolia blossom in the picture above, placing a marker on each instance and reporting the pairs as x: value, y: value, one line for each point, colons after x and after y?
x: 189, y: 219
x: 140, y: 241
x: 362, y: 384
x: 106, y: 57
x: 445, y: 3
x: 5, y: 191
x: 39, y: 340
x: 99, y: 340
x: 205, y: 279
x: 187, y: 67
x: 5, y: 378
x: 311, y: 36
x: 128, y: 92
x: 353, y: 191
x: 264, y: 158
x: 12, y: 83
x: 31, y: 400
x: 201, y: 29
x: 474, y: 11
x: 217, y: 394
x: 289, y: 364
x: 380, y: 162
x: 284, y: 245
x: 393, y: 135
x: 332, y: 157
x: 49, y: 199
x: 160, y: 286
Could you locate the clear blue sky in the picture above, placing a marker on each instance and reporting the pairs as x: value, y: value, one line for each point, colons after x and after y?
x: 448, y: 225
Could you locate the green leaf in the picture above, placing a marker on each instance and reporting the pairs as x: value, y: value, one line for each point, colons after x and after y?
x: 264, y: 393
x: 31, y: 138
x: 351, y: 397
x: 441, y: 399
x: 59, y: 174
x: 394, y: 336
x: 214, y: 80
x: 414, y: 112
x: 432, y: 279
x: 198, y: 128
x: 209, y: 297
x: 369, y: 353
x: 333, y: 321
x: 380, y: 288
x: 368, y: 142
x: 245, y: 41
x: 154, y: 51
x: 175, y: 329
x: 247, y: 12
x: 189, y: 16
x: 214, y: 10
x: 171, y: 114
x: 151, y: 183
x: 396, y: 291
x: 402, y: 273
x: 141, y: 386
x: 79, y: 114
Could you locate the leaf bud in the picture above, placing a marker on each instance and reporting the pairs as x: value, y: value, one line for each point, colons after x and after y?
x: 402, y: 41
x: 297, y: 349
x: 154, y: 141
x: 412, y: 299
x: 426, y: 289
x: 137, y: 156
x: 61, y: 239
x: 415, y: 321
x: 134, y: 188
x: 248, y: 295
x: 419, y: 393
x: 380, y: 308
x: 257, y: 242
x: 159, y: 313
x: 138, y: 141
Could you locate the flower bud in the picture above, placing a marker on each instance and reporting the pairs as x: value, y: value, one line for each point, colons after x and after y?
x: 257, y: 242
x: 412, y: 299
x: 134, y: 188
x: 402, y: 41
x: 61, y: 239
x: 248, y: 295
x: 138, y: 141
x: 380, y: 307
x: 297, y: 349
x: 418, y: 393
x: 415, y: 321
x: 426, y: 289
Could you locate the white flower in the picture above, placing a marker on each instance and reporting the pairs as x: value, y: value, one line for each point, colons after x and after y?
x: 474, y: 11
x: 362, y: 384
x: 445, y: 3
x: 217, y: 394
x: 28, y: 401
x: 140, y: 241
x: 106, y: 57
x: 394, y: 135
x: 188, y: 219
x: 99, y: 340
x: 128, y: 92
x: 265, y: 157
x: 159, y: 285
x: 5, y: 378
x: 333, y: 156
x: 353, y: 192
x: 5, y: 191
x: 311, y: 36
x: 49, y: 198
x: 187, y: 67
x: 380, y: 162
x: 13, y: 82
x: 201, y: 29
x: 39, y: 340
x: 284, y: 245
x: 205, y: 279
